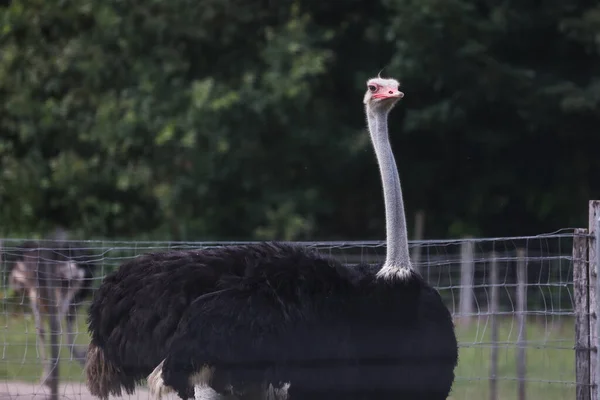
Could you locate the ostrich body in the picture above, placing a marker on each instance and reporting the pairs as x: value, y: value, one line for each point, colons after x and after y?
x: 271, y: 313
x: 136, y: 310
x: 31, y: 270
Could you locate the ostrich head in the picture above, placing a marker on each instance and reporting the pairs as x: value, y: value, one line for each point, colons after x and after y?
x: 382, y: 94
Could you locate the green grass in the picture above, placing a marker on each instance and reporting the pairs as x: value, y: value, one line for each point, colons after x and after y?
x: 550, y: 357
x: 19, y: 358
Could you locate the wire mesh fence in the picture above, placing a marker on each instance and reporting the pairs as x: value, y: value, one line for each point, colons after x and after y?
x: 512, y: 300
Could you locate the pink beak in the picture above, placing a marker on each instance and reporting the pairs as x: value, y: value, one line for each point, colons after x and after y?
x: 388, y: 94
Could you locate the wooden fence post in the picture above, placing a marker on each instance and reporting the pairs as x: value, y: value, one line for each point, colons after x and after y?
x: 419, y: 228
x: 466, y: 281
x: 582, y: 314
x: 594, y: 214
x: 522, y: 321
x: 48, y: 284
x: 493, y: 309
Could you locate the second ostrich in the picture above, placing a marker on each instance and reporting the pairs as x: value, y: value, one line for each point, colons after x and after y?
x: 70, y: 269
x: 332, y: 331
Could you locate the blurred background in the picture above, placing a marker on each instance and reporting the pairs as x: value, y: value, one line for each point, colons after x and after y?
x: 243, y: 120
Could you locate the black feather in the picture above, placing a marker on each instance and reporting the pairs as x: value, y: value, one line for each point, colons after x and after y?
x: 275, y: 313
x: 137, y: 309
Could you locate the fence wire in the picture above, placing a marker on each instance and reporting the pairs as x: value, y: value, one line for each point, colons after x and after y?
x: 503, y: 349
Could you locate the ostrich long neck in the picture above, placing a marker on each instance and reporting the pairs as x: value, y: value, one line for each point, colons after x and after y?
x: 397, y: 262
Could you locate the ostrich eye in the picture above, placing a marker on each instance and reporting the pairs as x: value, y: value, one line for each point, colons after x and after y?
x: 372, y: 88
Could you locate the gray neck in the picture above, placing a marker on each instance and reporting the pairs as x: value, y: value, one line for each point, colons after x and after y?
x: 397, y: 262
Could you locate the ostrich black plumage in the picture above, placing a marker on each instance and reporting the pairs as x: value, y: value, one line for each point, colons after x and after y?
x: 136, y: 310
x: 247, y: 316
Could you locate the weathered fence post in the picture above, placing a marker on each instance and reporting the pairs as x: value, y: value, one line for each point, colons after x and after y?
x: 594, y: 214
x: 55, y: 334
x: 597, y: 305
x: 466, y: 281
x: 582, y: 314
x: 522, y: 320
x: 419, y: 228
x: 48, y: 285
x: 493, y: 310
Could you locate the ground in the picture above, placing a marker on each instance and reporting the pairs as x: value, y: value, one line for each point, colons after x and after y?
x: 550, y: 360
x: 69, y: 390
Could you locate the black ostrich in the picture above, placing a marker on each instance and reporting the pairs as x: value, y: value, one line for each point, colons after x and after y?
x: 244, y: 317
x: 136, y: 310
x: 32, y: 265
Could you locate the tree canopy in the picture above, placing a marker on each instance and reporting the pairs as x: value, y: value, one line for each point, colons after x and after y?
x: 232, y: 119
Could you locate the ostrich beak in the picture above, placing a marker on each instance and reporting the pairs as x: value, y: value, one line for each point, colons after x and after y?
x: 389, y: 93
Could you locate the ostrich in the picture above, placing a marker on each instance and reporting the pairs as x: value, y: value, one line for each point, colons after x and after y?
x: 240, y: 317
x: 333, y: 331
x: 72, y: 271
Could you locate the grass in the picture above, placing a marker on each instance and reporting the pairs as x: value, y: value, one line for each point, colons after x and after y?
x: 20, y: 359
x: 550, y: 357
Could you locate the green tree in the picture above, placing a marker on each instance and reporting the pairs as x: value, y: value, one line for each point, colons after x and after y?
x: 228, y: 119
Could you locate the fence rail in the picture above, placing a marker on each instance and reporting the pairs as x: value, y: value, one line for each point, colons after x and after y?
x: 523, y: 309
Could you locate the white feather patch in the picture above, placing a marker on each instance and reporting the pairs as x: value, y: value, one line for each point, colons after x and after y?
x: 389, y: 272
x: 157, y: 386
